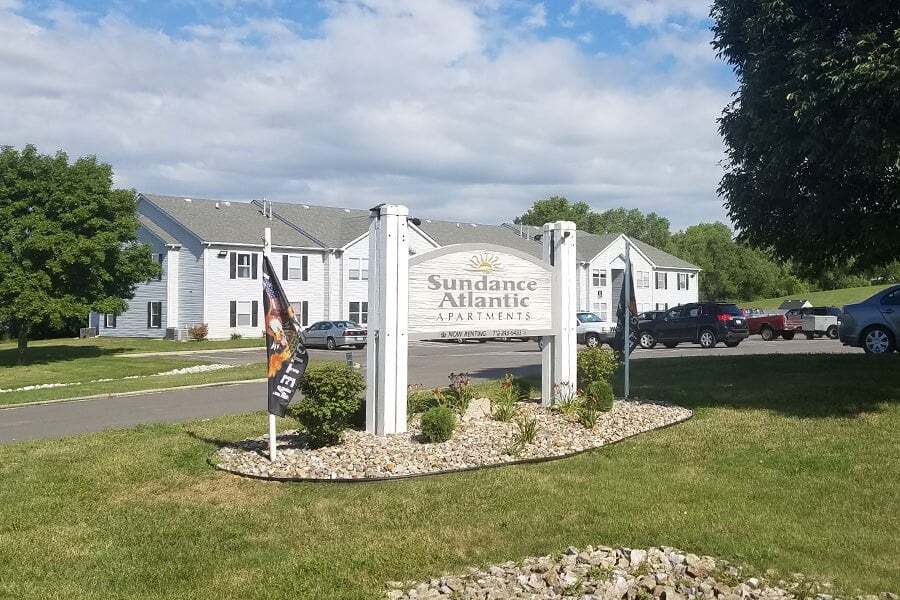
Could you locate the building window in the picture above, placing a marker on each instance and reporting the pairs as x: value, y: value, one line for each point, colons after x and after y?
x: 359, y: 269
x: 159, y: 260
x: 643, y: 279
x: 359, y: 312
x: 109, y: 321
x: 298, y: 267
x: 683, y: 281
x: 243, y: 265
x: 154, y: 315
x: 661, y: 306
x: 598, y: 277
x: 244, y: 314
x: 662, y: 281
x: 603, y: 311
x: 301, y: 312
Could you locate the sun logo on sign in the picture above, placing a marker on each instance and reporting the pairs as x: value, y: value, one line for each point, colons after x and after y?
x: 484, y: 263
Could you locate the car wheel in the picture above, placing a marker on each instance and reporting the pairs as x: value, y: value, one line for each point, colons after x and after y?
x: 787, y: 335
x: 591, y: 341
x: 732, y: 344
x: 330, y: 344
x: 877, y: 340
x: 767, y: 333
x: 670, y: 344
x: 707, y: 338
x: 647, y: 340
x: 833, y: 332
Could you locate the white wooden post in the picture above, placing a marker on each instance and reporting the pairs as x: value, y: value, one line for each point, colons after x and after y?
x: 626, y: 345
x: 559, y: 360
x: 388, y: 343
x: 273, y: 433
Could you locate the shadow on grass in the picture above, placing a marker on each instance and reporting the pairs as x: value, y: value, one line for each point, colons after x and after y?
x: 42, y: 355
x: 286, y: 441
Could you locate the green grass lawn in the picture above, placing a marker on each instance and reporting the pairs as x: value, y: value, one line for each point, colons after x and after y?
x: 136, y: 345
x: 67, y: 361
x: 790, y: 463
x: 828, y: 298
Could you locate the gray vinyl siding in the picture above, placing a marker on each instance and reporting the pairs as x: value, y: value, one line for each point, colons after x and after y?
x: 190, y: 283
x: 133, y: 322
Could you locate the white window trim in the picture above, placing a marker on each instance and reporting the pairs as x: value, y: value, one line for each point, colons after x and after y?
x: 238, y: 314
x: 295, y: 267
x: 362, y: 316
x: 239, y: 266
x: 155, y: 316
x: 353, y: 265
x: 106, y: 324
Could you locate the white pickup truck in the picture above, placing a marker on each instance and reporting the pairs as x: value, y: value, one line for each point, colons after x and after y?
x: 592, y: 331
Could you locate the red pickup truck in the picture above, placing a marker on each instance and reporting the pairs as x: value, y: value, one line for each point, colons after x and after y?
x: 770, y: 326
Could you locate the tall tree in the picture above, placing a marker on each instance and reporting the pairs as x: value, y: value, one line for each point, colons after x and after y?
x: 732, y: 271
x: 650, y: 228
x: 68, y: 242
x: 813, y: 137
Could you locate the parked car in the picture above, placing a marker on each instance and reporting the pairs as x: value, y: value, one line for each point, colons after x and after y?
x: 771, y: 326
x: 873, y: 324
x: 593, y: 331
x: 644, y: 320
x: 819, y: 321
x: 705, y: 323
x: 334, y: 334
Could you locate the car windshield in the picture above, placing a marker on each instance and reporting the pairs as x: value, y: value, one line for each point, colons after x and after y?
x: 589, y: 318
x: 730, y: 309
x: 346, y: 325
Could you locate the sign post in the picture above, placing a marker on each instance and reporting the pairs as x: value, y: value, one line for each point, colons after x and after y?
x: 627, y: 343
x: 273, y: 434
x: 559, y: 361
x: 387, y: 347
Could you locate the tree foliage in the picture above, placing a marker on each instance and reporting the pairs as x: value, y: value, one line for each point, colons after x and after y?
x: 813, y: 137
x: 733, y: 271
x: 650, y: 227
x: 68, y: 243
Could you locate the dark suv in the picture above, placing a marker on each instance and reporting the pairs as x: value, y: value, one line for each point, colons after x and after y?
x: 705, y: 323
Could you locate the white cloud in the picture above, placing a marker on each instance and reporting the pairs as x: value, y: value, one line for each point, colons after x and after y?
x: 391, y: 101
x: 654, y: 12
x: 537, y: 17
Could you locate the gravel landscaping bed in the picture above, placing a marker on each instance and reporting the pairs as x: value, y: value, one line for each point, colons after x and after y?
x: 477, y: 442
x: 604, y: 573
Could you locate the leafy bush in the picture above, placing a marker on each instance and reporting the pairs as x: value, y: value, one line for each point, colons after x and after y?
x: 332, y: 395
x: 438, y: 423
x: 503, y: 403
x: 459, y: 393
x: 596, y: 364
x: 418, y: 399
x: 199, y: 332
x: 600, y: 396
x: 236, y: 336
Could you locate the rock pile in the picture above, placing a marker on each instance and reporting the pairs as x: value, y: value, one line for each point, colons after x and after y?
x: 602, y: 573
x: 478, y: 441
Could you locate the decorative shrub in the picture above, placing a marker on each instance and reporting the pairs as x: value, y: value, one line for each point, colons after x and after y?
x: 332, y: 396
x: 459, y: 392
x: 503, y: 403
x: 526, y: 431
x: 600, y: 396
x: 587, y: 415
x: 199, y: 332
x: 418, y: 399
x: 236, y: 336
x: 596, y: 364
x: 438, y: 423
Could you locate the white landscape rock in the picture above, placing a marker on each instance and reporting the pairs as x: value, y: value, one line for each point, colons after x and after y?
x: 476, y: 442
x: 602, y: 573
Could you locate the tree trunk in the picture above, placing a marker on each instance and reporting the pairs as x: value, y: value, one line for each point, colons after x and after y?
x: 23, y: 342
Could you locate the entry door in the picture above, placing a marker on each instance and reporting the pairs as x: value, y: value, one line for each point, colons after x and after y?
x: 618, y: 279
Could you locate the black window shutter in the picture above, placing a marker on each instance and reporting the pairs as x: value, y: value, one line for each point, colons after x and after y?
x: 233, y: 312
x: 233, y: 266
x: 149, y: 309
x: 284, y: 267
x: 255, y: 312
x: 305, y: 261
x: 305, y: 320
x: 254, y: 264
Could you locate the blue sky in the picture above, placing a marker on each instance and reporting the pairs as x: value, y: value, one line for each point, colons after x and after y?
x: 462, y: 109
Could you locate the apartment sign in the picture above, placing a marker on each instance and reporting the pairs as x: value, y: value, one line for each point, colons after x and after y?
x: 479, y: 291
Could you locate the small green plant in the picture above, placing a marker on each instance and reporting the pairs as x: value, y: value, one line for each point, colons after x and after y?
x: 332, y: 396
x: 565, y: 398
x: 503, y: 404
x: 236, y: 336
x: 460, y: 392
x: 596, y: 364
x: 600, y: 395
x: 438, y: 423
x: 526, y: 432
x: 418, y: 399
x: 587, y: 415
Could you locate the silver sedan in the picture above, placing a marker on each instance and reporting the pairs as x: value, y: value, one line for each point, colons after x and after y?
x: 334, y: 334
x: 873, y: 324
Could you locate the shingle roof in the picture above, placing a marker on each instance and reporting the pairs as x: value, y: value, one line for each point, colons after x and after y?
x: 663, y: 259
x: 156, y: 230
x: 334, y: 227
x: 231, y: 222
x: 449, y: 232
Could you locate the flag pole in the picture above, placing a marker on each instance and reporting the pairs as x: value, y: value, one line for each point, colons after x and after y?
x: 626, y: 343
x: 273, y: 434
